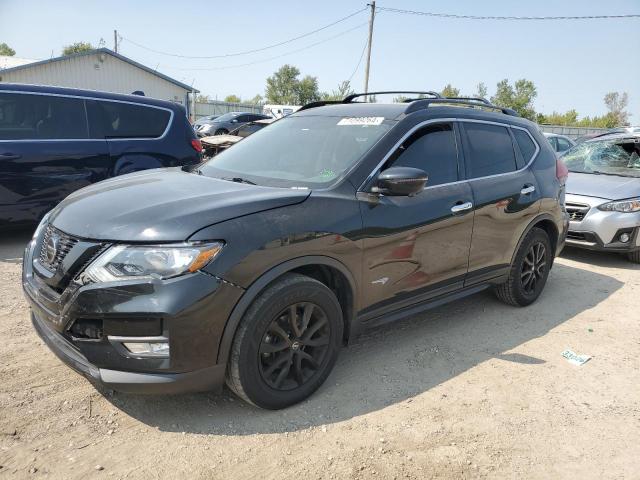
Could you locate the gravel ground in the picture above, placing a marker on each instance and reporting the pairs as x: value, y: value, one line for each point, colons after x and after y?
x: 473, y: 389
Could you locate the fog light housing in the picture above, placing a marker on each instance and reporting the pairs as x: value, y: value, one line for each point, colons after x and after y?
x: 148, y: 349
x: 624, y: 237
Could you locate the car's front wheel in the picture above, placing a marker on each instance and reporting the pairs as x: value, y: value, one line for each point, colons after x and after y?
x: 287, y: 343
x: 529, y: 270
x: 221, y: 131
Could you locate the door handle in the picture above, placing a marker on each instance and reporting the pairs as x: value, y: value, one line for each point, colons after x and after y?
x: 527, y: 189
x: 9, y: 156
x: 461, y: 207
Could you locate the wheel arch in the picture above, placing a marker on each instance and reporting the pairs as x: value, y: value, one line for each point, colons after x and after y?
x: 327, y: 270
x: 546, y: 222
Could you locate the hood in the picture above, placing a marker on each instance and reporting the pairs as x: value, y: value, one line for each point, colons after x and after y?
x: 610, y: 187
x: 162, y: 205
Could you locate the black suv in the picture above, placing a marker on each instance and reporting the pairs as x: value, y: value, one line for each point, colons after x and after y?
x: 55, y: 140
x: 256, y: 266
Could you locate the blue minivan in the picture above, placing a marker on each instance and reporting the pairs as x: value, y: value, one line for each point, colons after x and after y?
x: 54, y: 141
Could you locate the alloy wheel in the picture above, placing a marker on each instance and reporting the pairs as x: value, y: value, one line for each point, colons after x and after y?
x: 294, y: 347
x: 533, y: 267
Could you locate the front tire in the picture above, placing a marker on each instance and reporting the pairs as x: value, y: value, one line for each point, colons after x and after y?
x: 221, y: 131
x: 529, y: 270
x: 287, y: 343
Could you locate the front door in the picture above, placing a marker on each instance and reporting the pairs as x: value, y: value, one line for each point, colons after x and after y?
x: 417, y: 247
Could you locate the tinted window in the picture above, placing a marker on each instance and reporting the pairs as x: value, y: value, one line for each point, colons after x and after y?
x: 244, y: 118
x: 490, y: 150
x: 563, y: 144
x: 124, y: 120
x: 432, y: 149
x: 24, y: 116
x: 527, y: 147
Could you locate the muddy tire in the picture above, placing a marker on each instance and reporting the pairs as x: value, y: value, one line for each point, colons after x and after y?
x: 634, y: 256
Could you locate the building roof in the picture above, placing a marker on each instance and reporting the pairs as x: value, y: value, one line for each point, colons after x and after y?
x: 10, y: 62
x: 92, y: 52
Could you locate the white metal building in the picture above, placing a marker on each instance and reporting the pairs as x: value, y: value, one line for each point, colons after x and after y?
x: 100, y: 69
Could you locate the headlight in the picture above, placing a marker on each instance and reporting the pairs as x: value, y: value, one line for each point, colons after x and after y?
x: 624, y: 206
x: 129, y: 262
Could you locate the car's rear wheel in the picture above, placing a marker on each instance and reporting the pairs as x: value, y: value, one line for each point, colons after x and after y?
x: 221, y: 131
x: 286, y: 344
x: 529, y: 270
x: 634, y: 256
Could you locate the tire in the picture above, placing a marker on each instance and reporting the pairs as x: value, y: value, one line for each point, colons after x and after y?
x: 221, y: 131
x: 529, y: 271
x: 266, y: 345
x: 634, y: 256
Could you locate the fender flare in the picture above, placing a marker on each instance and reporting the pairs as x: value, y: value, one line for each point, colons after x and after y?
x: 530, y: 226
x: 224, y: 347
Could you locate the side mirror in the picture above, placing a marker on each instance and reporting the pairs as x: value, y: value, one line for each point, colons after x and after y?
x: 400, y: 181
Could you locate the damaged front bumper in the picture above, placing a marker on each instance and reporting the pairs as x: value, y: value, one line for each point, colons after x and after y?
x: 85, y: 326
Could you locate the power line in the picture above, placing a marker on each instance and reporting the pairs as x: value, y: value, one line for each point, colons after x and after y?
x: 364, y: 48
x: 479, y: 17
x: 247, y: 52
x: 227, y: 67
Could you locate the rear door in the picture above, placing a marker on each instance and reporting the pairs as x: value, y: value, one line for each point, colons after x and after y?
x: 45, y: 153
x: 135, y: 135
x: 505, y: 192
x: 417, y: 247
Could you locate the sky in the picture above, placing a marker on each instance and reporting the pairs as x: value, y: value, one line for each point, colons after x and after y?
x: 572, y: 63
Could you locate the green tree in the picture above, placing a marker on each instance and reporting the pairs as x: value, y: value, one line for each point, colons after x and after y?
x: 232, y: 99
x: 282, y: 86
x: 256, y: 100
x: 400, y: 99
x: 450, y: 91
x: 200, y: 98
x: 344, y: 89
x: 518, y: 97
x: 77, y: 47
x: 285, y: 88
x: 481, y: 91
x: 6, y: 50
x: 616, y: 104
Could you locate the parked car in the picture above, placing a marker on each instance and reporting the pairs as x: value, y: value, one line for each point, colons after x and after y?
x: 54, y: 141
x: 603, y: 194
x: 559, y: 143
x: 227, y: 122
x: 202, y: 120
x: 217, y: 143
x: 256, y: 266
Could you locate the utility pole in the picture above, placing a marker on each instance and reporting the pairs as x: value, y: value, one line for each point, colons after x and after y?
x: 115, y: 41
x: 366, y: 71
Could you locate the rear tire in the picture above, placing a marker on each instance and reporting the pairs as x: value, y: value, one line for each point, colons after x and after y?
x: 634, y: 256
x: 529, y: 270
x: 286, y: 344
x: 221, y: 131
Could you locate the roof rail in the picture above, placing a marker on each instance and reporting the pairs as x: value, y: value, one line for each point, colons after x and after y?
x: 350, y: 98
x: 473, y: 102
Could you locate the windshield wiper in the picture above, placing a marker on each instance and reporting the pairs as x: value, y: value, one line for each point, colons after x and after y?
x: 238, y: 180
x: 598, y: 172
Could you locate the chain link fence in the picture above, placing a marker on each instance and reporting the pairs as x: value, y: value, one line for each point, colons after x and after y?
x: 204, y: 109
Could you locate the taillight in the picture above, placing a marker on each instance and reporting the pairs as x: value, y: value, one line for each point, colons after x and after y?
x: 562, y: 172
x: 196, y: 144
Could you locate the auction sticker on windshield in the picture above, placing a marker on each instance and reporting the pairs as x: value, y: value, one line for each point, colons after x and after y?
x: 361, y: 121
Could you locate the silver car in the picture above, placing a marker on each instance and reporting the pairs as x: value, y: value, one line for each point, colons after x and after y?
x: 603, y: 194
x: 560, y: 143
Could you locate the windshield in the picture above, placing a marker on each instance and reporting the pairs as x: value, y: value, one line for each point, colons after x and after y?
x: 226, y: 117
x: 305, y: 151
x: 611, y: 157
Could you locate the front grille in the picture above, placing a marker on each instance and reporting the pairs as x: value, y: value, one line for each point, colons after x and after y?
x: 577, y: 211
x: 54, y: 248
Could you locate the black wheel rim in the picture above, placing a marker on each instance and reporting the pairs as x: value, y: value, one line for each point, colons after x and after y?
x: 294, y: 347
x: 533, y: 267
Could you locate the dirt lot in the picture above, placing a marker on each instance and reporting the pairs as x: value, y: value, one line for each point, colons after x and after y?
x: 474, y: 389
